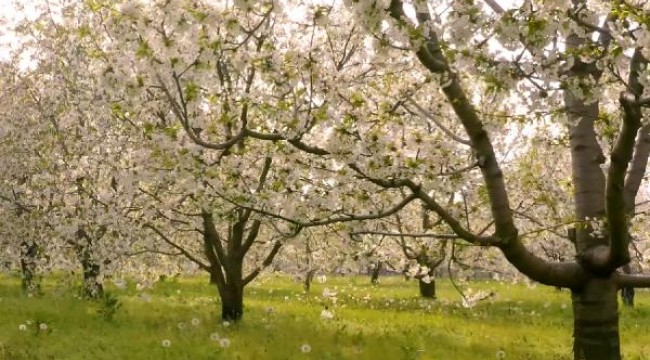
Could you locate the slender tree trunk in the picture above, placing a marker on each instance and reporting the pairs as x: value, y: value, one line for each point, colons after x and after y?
x: 627, y: 293
x: 374, y: 275
x: 29, y: 282
x: 595, y: 314
x: 427, y: 290
x: 309, y: 277
x: 92, y: 287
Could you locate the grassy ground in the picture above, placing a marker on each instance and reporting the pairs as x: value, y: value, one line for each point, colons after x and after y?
x: 388, y: 321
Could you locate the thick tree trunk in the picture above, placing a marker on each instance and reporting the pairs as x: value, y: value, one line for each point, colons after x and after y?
x: 232, y: 302
x: 595, y: 314
x: 427, y: 290
x: 627, y: 293
x: 231, y: 289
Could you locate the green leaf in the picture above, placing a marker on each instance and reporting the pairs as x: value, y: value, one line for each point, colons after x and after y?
x: 191, y: 91
x: 144, y: 50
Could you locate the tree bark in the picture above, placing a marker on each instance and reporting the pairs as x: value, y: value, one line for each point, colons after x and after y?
x: 231, y: 289
x: 427, y: 290
x: 595, y: 313
x: 93, y: 288
x: 627, y: 293
x: 374, y: 275
x: 309, y: 277
x: 29, y: 281
x: 232, y: 302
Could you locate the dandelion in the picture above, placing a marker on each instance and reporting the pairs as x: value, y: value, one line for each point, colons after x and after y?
x: 22, y: 327
x: 326, y: 315
x: 42, y: 326
x: 226, y: 324
x: 195, y: 322
x: 120, y: 283
x: 181, y: 326
x: 166, y: 343
x: 215, y: 337
x: 501, y: 354
x: 224, y: 342
x: 305, y: 348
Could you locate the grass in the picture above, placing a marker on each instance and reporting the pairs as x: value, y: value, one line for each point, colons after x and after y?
x: 388, y: 321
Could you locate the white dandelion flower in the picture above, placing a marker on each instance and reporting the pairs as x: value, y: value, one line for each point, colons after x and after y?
x: 166, y: 343
x: 22, y: 327
x: 305, y: 348
x: 42, y: 326
x: 224, y: 342
x: 215, y: 337
x: 501, y: 354
x: 226, y: 324
x: 326, y: 315
x: 195, y: 322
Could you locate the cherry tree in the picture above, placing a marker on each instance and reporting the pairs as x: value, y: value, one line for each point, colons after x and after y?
x: 534, y: 56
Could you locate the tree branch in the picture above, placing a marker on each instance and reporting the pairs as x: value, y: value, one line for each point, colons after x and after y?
x: 636, y: 281
x: 191, y: 257
x: 267, y: 261
x: 620, y: 158
x: 328, y: 221
x: 637, y: 167
x: 410, y: 235
x: 425, y: 113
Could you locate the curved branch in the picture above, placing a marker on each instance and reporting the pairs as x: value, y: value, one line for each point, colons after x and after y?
x: 620, y: 158
x: 328, y: 221
x: 441, y: 126
x: 267, y: 261
x: 187, y: 254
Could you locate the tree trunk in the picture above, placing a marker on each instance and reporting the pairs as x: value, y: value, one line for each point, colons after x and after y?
x: 93, y: 288
x: 595, y: 316
x: 627, y: 293
x: 231, y: 289
x: 29, y: 282
x: 374, y: 275
x: 427, y: 290
x: 232, y: 302
x: 309, y: 277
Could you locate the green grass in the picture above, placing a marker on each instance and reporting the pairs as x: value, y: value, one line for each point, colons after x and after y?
x: 388, y: 321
